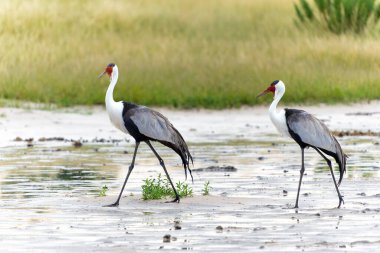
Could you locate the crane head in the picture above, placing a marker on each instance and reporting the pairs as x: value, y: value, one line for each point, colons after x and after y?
x: 108, y: 70
x: 271, y: 88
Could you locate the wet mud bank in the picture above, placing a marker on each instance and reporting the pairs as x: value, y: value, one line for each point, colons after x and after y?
x: 49, y: 198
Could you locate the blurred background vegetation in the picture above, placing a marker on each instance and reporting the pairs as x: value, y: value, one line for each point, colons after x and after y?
x: 212, y: 53
x: 339, y: 16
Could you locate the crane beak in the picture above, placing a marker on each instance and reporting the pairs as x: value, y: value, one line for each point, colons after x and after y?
x: 262, y: 93
x: 102, y: 74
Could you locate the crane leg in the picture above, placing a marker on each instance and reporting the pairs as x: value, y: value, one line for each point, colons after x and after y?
x: 126, y: 178
x: 301, y: 175
x: 332, y: 174
x: 166, y: 172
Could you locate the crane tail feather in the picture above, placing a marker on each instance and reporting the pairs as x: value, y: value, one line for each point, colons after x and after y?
x: 184, y: 153
x: 180, y: 147
x: 186, y: 158
x: 342, y: 168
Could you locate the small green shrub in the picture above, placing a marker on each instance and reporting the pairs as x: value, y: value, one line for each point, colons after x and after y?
x: 184, y: 190
x: 339, y: 16
x: 103, y: 191
x: 206, y: 188
x: 157, y: 188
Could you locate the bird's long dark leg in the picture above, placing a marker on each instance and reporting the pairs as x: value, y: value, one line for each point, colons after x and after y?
x: 166, y: 172
x: 301, y: 175
x: 126, y: 178
x: 332, y: 174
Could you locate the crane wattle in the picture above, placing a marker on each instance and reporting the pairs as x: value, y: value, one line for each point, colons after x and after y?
x: 271, y: 88
x: 109, y: 70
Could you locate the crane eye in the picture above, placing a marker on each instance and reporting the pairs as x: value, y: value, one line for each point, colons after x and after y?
x: 275, y: 82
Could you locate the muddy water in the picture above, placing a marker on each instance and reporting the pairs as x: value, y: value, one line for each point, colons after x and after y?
x: 49, y: 198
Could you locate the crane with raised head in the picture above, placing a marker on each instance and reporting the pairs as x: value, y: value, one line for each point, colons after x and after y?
x: 144, y: 125
x: 307, y: 131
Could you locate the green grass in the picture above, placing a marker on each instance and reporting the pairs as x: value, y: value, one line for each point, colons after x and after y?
x: 158, y: 188
x: 214, y: 53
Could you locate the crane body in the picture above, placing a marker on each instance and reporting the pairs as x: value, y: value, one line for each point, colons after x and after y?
x: 307, y: 131
x: 144, y: 125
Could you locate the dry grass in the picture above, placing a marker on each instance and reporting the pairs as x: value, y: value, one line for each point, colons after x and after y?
x: 215, y: 53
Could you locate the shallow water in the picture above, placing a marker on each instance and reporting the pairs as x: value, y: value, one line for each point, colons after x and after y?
x: 49, y: 199
x: 49, y: 192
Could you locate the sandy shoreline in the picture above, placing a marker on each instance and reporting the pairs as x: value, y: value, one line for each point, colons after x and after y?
x: 92, y: 122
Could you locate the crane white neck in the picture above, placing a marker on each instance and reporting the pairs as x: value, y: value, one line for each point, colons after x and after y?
x: 111, y: 87
x: 278, y: 117
x: 279, y: 92
x: 115, y: 109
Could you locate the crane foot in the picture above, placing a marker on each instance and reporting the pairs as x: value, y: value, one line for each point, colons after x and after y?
x: 112, y: 205
x: 341, y: 201
x: 176, y: 200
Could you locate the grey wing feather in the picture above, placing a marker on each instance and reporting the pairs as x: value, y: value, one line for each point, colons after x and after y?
x: 312, y: 131
x: 153, y: 124
x: 157, y: 127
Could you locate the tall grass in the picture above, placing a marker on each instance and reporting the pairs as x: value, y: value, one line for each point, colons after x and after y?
x: 214, y: 53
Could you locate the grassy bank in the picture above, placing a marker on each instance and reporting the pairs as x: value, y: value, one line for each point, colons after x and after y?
x: 178, y: 53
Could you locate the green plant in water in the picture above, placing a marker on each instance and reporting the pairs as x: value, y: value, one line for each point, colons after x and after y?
x: 206, y: 188
x: 103, y: 191
x: 184, y: 190
x: 339, y: 16
x: 158, y: 188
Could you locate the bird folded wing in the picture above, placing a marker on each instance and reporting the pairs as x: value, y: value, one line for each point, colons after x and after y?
x: 312, y: 131
x: 152, y: 124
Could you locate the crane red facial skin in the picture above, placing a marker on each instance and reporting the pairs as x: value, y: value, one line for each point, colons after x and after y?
x: 271, y: 88
x: 108, y: 70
